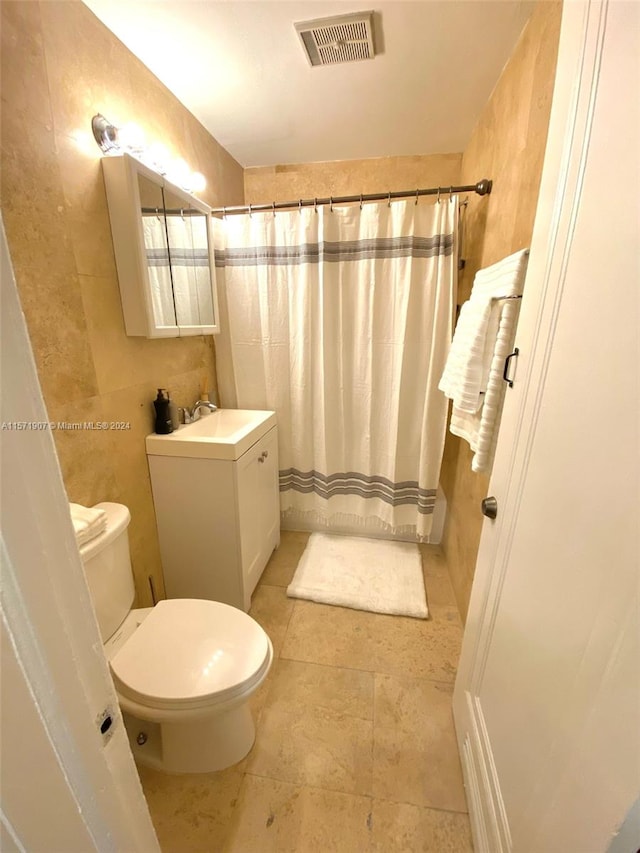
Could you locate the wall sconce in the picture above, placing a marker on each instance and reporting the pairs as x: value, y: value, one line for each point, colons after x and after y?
x: 104, y: 133
x: 130, y: 138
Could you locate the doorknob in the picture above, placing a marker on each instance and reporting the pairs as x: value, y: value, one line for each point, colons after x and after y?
x: 490, y: 507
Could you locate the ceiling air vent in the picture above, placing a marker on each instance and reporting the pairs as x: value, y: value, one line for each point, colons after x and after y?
x: 346, y: 38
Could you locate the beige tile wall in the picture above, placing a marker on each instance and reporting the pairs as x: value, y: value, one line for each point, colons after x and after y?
x: 507, y: 144
x: 60, y: 66
x: 349, y: 177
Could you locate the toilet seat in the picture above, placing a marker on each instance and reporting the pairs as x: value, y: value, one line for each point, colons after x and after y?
x: 189, y: 654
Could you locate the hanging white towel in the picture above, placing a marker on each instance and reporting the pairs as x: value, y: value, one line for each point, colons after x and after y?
x: 481, y: 428
x: 482, y: 341
x: 87, y: 523
x: 466, y: 372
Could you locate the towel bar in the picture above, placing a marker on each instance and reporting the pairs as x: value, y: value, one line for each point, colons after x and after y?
x: 505, y: 374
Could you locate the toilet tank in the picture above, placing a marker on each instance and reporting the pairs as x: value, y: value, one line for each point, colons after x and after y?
x: 107, y: 565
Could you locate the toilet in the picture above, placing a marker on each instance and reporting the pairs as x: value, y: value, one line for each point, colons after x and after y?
x: 184, y: 670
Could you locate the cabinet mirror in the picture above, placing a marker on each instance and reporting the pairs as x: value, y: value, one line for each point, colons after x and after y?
x: 163, y: 249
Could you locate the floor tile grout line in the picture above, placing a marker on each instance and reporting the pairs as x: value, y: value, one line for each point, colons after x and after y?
x: 371, y: 797
x: 304, y: 784
x: 369, y: 671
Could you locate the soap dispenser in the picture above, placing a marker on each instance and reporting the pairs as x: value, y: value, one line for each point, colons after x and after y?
x: 163, y: 414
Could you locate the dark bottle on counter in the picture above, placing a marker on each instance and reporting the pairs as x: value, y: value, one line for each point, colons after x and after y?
x: 163, y: 414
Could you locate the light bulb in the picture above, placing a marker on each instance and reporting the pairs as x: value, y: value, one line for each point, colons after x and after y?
x: 198, y: 182
x: 179, y: 172
x: 131, y: 136
x: 157, y: 156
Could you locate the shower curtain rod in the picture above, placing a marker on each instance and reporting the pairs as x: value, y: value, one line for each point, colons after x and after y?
x: 483, y: 187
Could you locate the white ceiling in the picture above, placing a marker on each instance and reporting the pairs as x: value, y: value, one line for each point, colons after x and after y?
x: 241, y: 70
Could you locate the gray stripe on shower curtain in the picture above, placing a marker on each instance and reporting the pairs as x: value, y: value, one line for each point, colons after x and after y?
x: 378, y: 248
x: 407, y: 492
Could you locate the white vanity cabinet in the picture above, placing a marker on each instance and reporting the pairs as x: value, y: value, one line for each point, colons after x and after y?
x: 164, y: 252
x: 218, y: 518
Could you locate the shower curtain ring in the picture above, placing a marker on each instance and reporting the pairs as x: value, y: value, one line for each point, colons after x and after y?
x: 360, y: 201
x: 438, y: 199
x: 416, y: 198
x: 389, y: 199
x: 224, y: 212
x: 273, y: 207
x: 250, y: 211
x: 300, y: 205
x: 315, y: 205
x: 331, y: 203
x: 451, y: 194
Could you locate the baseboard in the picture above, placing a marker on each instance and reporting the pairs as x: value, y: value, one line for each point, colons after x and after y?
x: 487, y: 813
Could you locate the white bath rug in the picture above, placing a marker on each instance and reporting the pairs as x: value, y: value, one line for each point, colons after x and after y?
x: 366, y: 574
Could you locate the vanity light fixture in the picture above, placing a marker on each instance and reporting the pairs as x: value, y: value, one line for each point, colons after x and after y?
x: 105, y: 133
x: 130, y: 139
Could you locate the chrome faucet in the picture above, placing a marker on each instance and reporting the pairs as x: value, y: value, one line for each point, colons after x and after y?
x: 201, y: 404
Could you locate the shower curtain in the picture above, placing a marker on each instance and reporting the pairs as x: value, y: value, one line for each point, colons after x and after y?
x: 340, y: 321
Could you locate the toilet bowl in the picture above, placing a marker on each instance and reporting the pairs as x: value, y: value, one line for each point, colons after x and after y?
x: 184, y: 670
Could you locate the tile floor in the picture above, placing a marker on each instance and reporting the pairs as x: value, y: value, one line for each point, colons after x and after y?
x: 355, y: 749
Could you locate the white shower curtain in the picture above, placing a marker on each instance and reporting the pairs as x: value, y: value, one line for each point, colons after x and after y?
x: 340, y: 321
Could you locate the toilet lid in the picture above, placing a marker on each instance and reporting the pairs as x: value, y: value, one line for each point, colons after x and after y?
x: 190, y: 650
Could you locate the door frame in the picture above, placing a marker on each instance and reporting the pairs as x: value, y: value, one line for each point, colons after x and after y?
x: 69, y: 781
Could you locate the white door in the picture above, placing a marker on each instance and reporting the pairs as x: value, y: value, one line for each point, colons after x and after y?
x: 547, y: 701
x: 68, y: 779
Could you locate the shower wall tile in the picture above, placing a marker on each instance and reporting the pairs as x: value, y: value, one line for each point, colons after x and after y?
x: 350, y: 177
x: 60, y: 66
x: 25, y: 87
x: 84, y: 454
x: 507, y: 145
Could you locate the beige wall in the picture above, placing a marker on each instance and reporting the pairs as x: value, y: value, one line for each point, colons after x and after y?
x: 349, y: 177
x: 507, y: 145
x: 60, y: 66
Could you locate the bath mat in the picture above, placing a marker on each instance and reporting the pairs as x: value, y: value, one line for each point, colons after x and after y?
x: 366, y: 574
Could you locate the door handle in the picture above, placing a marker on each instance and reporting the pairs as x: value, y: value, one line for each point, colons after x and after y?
x: 490, y: 507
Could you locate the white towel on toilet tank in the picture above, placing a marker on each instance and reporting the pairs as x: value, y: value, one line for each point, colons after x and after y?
x: 482, y: 341
x: 87, y: 523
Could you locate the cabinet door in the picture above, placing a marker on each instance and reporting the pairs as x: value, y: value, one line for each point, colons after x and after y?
x: 156, y: 250
x: 269, y: 496
x: 192, y: 270
x: 258, y: 509
x: 163, y: 250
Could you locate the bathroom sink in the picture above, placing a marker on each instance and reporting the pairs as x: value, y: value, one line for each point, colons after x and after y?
x: 223, y: 434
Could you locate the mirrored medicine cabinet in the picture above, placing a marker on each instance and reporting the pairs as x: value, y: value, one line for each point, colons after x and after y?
x: 164, y: 253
